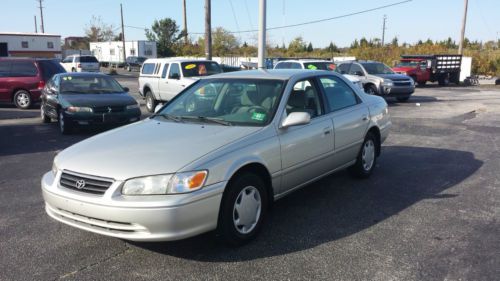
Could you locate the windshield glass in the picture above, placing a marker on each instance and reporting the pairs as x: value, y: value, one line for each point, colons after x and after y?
x: 200, y: 68
x: 242, y: 102
x: 319, y: 66
x: 141, y: 59
x: 377, y: 68
x: 407, y: 63
x: 89, y: 85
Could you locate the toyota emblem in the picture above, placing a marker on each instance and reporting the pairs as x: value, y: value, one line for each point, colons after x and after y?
x: 80, y: 184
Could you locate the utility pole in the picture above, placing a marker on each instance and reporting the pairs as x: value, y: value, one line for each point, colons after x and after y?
x: 36, y: 27
x: 185, y: 22
x: 41, y: 15
x: 123, y: 36
x: 208, y: 31
x: 262, y: 34
x: 462, y: 34
x: 383, y: 30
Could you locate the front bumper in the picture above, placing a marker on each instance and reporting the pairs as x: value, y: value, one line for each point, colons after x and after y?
x: 137, y: 218
x: 124, y: 117
x: 397, y: 91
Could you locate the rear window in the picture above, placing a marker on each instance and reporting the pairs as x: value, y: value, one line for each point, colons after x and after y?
x: 23, y: 69
x: 200, y: 68
x: 319, y: 66
x: 88, y: 59
x: 49, y: 68
x: 148, y: 68
x: 4, y: 68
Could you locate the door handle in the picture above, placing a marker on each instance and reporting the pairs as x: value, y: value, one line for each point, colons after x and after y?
x: 365, y: 117
x: 183, y: 85
x: 327, y: 131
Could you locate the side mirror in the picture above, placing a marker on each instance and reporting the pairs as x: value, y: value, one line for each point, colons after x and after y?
x: 158, y: 107
x: 126, y: 89
x: 296, y: 118
x: 174, y: 76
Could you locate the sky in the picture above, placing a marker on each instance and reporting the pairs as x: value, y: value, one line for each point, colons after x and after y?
x: 409, y: 22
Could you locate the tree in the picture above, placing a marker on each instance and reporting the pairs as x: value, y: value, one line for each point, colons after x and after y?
x: 166, y: 34
x: 223, y: 42
x: 97, y: 31
x: 332, y: 48
x: 310, y: 47
x: 297, y: 45
x: 395, y: 42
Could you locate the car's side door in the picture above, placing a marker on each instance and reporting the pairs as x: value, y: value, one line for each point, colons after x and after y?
x: 306, y: 150
x: 163, y: 82
x: 357, y: 70
x: 5, y: 81
x: 175, y: 83
x: 50, y: 97
x: 350, y: 117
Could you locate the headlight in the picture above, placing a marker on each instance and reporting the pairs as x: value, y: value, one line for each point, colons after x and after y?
x: 54, y: 169
x: 165, y: 184
x: 132, y: 106
x: 78, y: 109
x: 387, y: 83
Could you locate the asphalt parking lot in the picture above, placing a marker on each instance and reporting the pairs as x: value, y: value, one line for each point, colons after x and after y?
x: 430, y: 211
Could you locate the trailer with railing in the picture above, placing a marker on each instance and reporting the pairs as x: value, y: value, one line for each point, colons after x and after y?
x: 444, y: 69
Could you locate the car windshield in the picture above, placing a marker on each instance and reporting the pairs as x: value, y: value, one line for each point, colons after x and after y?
x: 377, y: 68
x: 89, y: 85
x: 319, y: 66
x: 141, y: 59
x: 200, y: 68
x: 240, y: 102
x: 406, y: 63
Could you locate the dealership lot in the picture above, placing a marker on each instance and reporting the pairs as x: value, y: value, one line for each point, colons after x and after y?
x: 430, y: 211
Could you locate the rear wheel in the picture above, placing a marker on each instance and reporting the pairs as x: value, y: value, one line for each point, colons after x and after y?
x: 73, y: 69
x: 22, y: 99
x: 444, y: 80
x: 243, y: 209
x: 150, y: 101
x: 367, y: 158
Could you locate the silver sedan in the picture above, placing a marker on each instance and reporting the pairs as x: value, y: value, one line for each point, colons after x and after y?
x: 217, y: 155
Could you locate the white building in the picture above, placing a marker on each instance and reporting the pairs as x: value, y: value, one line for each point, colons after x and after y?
x: 40, y: 45
x: 112, y: 52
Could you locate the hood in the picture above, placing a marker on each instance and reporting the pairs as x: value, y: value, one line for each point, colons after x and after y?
x: 403, y: 69
x: 394, y: 77
x: 150, y: 147
x: 91, y: 100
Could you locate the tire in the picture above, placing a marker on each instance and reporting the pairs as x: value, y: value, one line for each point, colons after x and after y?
x: 150, y: 101
x: 243, y: 209
x: 403, y: 99
x: 129, y: 69
x: 45, y: 118
x: 366, y: 159
x: 73, y: 70
x: 371, y: 89
x: 65, y: 126
x: 22, y: 99
x: 444, y: 80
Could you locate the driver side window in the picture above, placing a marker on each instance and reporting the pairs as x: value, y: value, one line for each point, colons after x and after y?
x: 174, y: 71
x: 305, y: 98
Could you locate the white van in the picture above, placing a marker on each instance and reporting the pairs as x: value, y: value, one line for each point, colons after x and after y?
x: 162, y: 79
x: 80, y: 63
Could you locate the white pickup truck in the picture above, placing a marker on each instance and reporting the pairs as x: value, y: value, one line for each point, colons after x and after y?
x: 162, y: 79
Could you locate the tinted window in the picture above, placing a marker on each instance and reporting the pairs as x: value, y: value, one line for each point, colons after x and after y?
x: 343, y: 68
x: 4, y: 68
x: 68, y: 59
x: 23, y: 69
x: 148, y: 68
x: 356, y: 70
x: 282, y: 65
x: 88, y: 59
x: 304, y: 98
x: 200, y: 68
x: 294, y: 65
x: 49, y: 68
x: 80, y: 84
x: 174, y: 71
x: 164, y: 72
x: 319, y: 65
x: 338, y: 94
x: 377, y: 68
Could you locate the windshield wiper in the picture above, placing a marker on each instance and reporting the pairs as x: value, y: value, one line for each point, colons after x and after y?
x: 210, y: 119
x: 169, y: 117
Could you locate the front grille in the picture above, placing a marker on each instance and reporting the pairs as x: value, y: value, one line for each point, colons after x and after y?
x: 85, y: 183
x: 108, y: 109
x: 402, y: 83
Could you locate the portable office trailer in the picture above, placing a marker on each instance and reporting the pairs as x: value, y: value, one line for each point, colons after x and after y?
x: 37, y: 45
x: 111, y: 53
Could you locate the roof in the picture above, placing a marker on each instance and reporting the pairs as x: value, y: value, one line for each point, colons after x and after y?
x: 175, y: 60
x: 88, y: 74
x: 279, y: 74
x: 305, y: 60
x: 29, y: 34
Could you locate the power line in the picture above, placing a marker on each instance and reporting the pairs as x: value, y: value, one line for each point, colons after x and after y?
x: 234, y: 15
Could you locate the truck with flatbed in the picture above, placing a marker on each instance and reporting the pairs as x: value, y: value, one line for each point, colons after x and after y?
x: 443, y: 68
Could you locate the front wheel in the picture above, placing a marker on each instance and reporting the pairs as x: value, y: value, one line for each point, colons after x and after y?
x: 22, y: 99
x: 371, y: 89
x: 367, y: 158
x: 45, y: 118
x: 243, y: 209
x: 150, y: 101
x: 64, y: 124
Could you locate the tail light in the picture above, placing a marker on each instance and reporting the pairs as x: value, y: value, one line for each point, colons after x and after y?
x: 79, y: 66
x: 41, y: 84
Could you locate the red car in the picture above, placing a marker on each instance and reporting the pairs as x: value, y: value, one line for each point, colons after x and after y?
x: 22, y: 79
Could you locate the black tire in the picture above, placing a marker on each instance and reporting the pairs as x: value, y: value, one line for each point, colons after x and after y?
x: 129, y: 69
x: 73, y: 70
x: 151, y: 102
x: 371, y: 89
x: 444, y: 80
x: 45, y: 118
x: 422, y: 83
x: 403, y: 99
x: 247, y: 184
x: 65, y: 125
x: 362, y: 169
x: 22, y: 99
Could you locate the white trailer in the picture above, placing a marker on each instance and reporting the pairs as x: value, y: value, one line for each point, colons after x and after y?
x: 111, y: 53
x: 38, y: 45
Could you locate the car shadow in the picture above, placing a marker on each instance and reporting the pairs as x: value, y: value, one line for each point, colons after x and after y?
x: 339, y: 206
x: 8, y: 111
x: 391, y: 101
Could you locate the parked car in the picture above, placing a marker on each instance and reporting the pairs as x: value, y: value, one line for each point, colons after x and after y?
x: 315, y: 65
x: 162, y: 79
x: 79, y: 99
x: 22, y: 79
x: 77, y: 63
x: 203, y: 163
x: 134, y: 63
x: 379, y: 79
x: 423, y: 68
